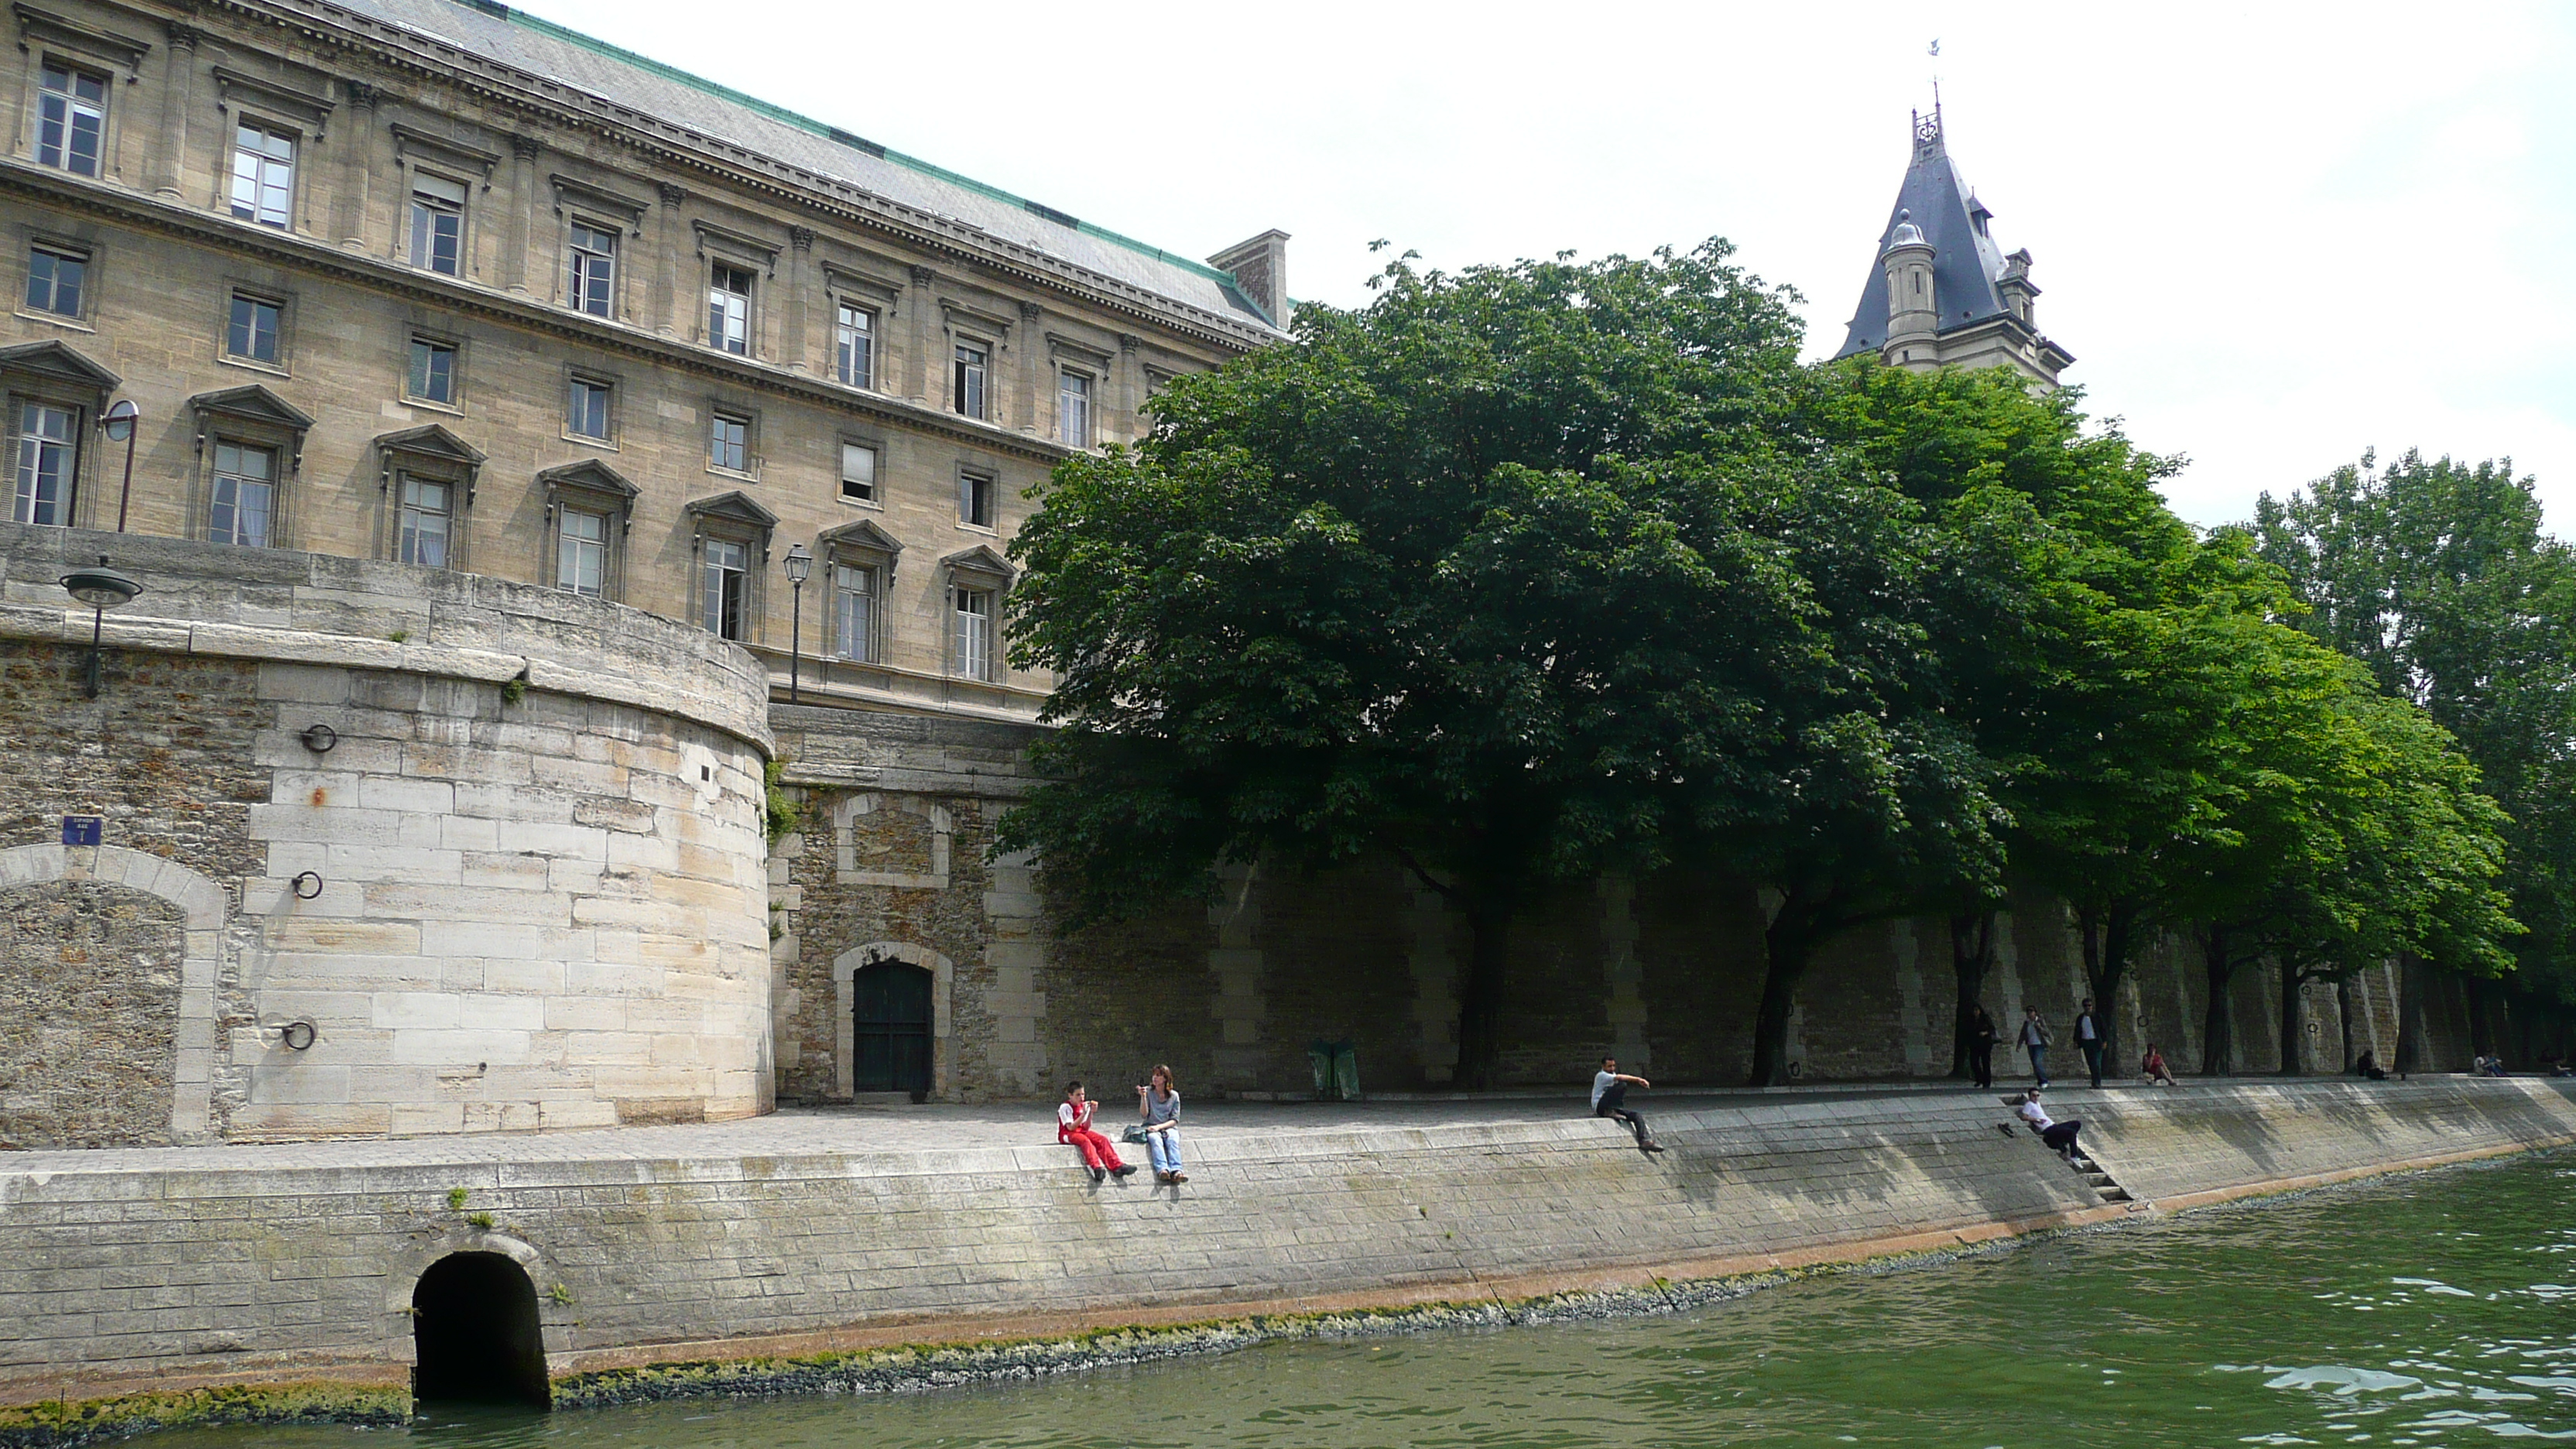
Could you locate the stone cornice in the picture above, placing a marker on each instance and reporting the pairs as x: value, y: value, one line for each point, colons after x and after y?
x: 727, y: 165
x: 286, y: 249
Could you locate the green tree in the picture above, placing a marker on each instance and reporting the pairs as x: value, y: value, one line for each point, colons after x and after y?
x: 1475, y: 576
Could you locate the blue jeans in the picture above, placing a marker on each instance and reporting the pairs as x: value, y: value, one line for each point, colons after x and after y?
x: 2039, y: 1064
x: 1165, y: 1149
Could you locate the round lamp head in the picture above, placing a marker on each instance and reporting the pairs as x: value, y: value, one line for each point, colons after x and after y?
x: 800, y: 564
x: 119, y: 420
x: 101, y: 587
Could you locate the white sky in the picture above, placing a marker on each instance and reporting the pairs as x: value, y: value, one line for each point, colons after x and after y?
x: 2272, y: 235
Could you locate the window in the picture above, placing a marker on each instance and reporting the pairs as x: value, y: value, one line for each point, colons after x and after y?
x: 594, y: 269
x: 968, y: 394
x: 729, y: 443
x: 854, y: 358
x: 57, y: 279
x: 71, y: 119
x: 1073, y: 409
x: 433, y: 372
x: 724, y: 585
x: 729, y: 309
x: 974, y: 632
x: 586, y: 413
x: 437, y: 224
x: 975, y: 499
x: 422, y: 537
x: 48, y: 455
x: 263, y: 175
x: 245, y: 495
x: 581, y: 552
x: 254, y: 331
x: 858, y: 473
x: 854, y: 612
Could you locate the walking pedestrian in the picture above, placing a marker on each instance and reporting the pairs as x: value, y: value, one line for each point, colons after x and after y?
x: 1610, y: 1099
x: 1160, y: 1101
x: 2034, y: 1040
x: 2088, y: 1039
x: 1073, y: 1125
x: 1982, y: 1036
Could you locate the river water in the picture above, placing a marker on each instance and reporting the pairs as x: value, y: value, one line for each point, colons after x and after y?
x: 2435, y: 1309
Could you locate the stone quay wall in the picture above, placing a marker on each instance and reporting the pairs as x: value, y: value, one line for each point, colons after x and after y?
x: 518, y: 884
x: 131, y: 1272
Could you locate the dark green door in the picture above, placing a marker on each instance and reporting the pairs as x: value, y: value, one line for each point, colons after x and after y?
x: 891, y: 1036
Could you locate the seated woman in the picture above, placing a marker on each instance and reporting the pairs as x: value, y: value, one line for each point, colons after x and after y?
x: 2152, y: 1067
x: 2367, y: 1065
x: 1161, y: 1102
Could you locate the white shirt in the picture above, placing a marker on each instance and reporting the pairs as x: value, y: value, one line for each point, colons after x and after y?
x: 2084, y: 1027
x: 2030, y: 1035
x: 1601, y: 1083
x: 2032, y: 1113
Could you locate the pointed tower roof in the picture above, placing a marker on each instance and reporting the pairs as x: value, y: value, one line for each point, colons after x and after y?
x: 1965, y: 260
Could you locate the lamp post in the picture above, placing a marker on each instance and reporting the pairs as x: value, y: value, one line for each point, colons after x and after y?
x: 800, y: 567
x: 118, y: 423
x: 101, y: 588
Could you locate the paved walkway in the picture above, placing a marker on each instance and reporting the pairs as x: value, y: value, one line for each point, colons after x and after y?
x: 802, y: 1131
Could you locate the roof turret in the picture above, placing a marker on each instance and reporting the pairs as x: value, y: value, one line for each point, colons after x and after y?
x: 1940, y: 210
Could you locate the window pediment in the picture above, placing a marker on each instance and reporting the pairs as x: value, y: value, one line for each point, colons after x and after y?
x: 72, y: 34
x: 439, y: 150
x: 232, y: 88
x: 860, y: 539
x: 57, y: 362
x: 590, y: 476
x: 737, y: 508
x: 974, y: 319
x: 575, y: 193
x: 723, y: 240
x: 432, y: 450
x: 256, y: 407
x: 982, y: 564
x: 1074, y: 349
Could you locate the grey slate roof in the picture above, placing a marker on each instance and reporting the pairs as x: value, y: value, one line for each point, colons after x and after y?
x: 1965, y: 259
x: 522, y: 41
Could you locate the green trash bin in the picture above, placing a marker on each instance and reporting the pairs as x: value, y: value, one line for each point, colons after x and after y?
x: 1336, y: 1065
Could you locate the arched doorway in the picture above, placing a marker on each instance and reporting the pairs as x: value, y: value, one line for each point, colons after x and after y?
x: 475, y: 1334
x: 890, y: 1029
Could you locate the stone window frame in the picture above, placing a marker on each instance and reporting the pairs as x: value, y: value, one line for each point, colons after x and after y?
x: 600, y: 208
x: 875, y: 501
x: 594, y: 487
x: 734, y: 517
x: 722, y: 246
x: 616, y: 387
x: 418, y: 153
x: 456, y: 349
x: 962, y: 323
x: 983, y: 570
x: 844, y: 286
x: 1085, y: 360
x: 431, y: 454
x: 59, y: 374
x: 859, y: 545
x: 969, y: 475
x: 304, y: 116
x: 207, y: 907
x: 283, y: 300
x: 253, y: 416
x: 46, y: 37
x: 845, y: 973
x: 35, y: 239
x: 749, y: 416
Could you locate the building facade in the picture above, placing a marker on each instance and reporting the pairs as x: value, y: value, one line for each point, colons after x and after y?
x: 440, y: 284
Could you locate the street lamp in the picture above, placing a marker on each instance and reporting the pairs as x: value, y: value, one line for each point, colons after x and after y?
x: 800, y: 567
x: 101, y: 588
x: 118, y: 423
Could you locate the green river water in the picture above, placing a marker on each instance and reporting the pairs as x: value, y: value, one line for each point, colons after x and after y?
x: 2435, y: 1309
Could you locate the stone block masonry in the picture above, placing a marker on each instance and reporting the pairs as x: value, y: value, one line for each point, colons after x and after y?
x: 803, y: 1235
x: 499, y: 848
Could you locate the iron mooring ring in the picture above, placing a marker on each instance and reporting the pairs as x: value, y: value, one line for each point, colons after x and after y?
x: 298, y: 885
x: 297, y: 1035
x: 319, y: 738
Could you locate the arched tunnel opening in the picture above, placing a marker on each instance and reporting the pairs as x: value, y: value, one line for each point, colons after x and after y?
x: 475, y: 1334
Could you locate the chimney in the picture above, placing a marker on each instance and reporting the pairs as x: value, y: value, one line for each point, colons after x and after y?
x: 1260, y: 268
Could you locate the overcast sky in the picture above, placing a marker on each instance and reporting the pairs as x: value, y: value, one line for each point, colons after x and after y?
x: 2272, y: 236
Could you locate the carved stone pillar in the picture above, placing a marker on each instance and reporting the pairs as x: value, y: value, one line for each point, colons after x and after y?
x: 1130, y: 387
x: 923, y: 367
x: 357, y: 167
x: 670, y: 295
x: 524, y: 151
x: 1031, y: 369
x: 798, y: 340
x: 178, y: 69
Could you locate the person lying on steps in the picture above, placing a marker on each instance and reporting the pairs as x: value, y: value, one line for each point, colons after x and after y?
x: 1073, y: 1125
x: 2060, y: 1136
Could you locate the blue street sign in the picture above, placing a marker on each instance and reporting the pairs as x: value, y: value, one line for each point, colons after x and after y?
x: 81, y: 829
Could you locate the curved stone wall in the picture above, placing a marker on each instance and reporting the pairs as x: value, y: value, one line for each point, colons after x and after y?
x: 514, y: 879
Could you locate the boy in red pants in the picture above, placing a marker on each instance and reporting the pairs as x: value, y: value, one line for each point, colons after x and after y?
x: 1073, y: 1124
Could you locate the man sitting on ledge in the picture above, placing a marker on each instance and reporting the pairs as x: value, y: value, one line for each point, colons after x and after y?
x: 2060, y: 1136
x: 1610, y: 1097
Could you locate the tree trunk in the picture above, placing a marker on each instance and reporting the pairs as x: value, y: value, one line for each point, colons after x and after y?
x: 1788, y: 943
x: 2292, y: 978
x: 2412, y: 1041
x: 1480, y: 1002
x: 1972, y: 954
x: 2218, y: 1029
x: 2347, y: 1010
x: 2106, y: 961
